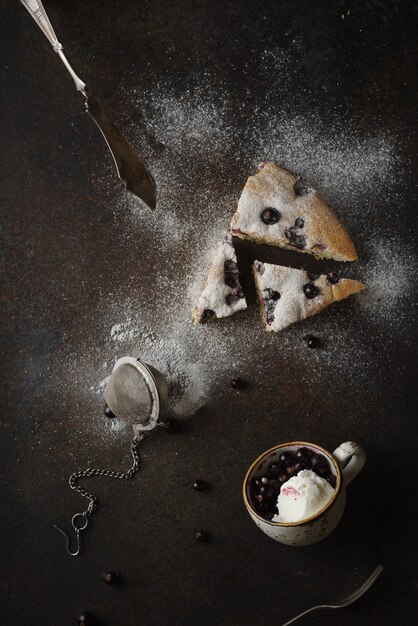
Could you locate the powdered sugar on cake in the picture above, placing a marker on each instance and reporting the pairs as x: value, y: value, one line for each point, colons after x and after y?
x: 288, y: 295
x: 222, y: 295
x: 301, y: 219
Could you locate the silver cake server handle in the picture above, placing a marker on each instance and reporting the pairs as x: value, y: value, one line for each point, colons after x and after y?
x: 130, y: 167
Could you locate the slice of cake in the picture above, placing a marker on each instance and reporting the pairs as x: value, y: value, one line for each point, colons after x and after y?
x: 287, y: 295
x: 278, y: 208
x: 222, y: 295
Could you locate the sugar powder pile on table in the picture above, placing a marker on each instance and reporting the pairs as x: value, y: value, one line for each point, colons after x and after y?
x: 201, y: 159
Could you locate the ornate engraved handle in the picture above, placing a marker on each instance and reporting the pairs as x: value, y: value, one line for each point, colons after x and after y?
x: 37, y: 11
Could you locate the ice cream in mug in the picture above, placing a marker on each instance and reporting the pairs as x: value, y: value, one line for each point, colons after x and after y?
x: 302, y: 496
x: 296, y: 492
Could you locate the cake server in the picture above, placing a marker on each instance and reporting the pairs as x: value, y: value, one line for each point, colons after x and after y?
x: 129, y: 165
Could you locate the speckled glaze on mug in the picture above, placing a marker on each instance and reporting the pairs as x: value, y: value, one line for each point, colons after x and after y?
x: 346, y: 462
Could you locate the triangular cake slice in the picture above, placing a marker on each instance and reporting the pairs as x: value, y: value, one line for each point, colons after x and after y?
x: 287, y: 295
x: 222, y: 295
x: 278, y: 208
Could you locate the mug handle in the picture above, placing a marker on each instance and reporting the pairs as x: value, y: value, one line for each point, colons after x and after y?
x: 351, y: 459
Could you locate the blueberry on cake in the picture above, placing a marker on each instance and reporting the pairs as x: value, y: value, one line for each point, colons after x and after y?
x: 222, y: 295
x: 287, y: 295
x: 278, y: 208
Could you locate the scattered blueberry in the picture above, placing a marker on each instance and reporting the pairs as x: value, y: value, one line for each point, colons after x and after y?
x: 333, y: 278
x: 299, y: 223
x: 207, y: 315
x: 287, y: 458
x: 201, y: 536
x: 312, y: 342
x: 238, y: 383
x: 310, y: 290
x: 199, y: 485
x: 111, y: 578
x: 108, y: 412
x: 86, y: 619
x: 270, y: 216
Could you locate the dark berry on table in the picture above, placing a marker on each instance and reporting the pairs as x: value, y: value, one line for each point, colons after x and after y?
x: 207, y: 315
x: 291, y: 470
x: 299, y: 223
x: 108, y: 412
x: 238, y: 383
x: 310, y: 290
x: 171, y: 425
x: 287, y: 458
x: 111, y: 578
x: 301, y: 188
x: 201, y: 536
x: 312, y: 342
x: 270, y: 216
x: 259, y: 267
x: 312, y: 276
x: 332, y: 480
x: 333, y: 278
x: 274, y: 469
x: 199, y: 485
x: 86, y: 619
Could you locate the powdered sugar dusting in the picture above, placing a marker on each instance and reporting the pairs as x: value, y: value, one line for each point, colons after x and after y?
x: 200, y: 158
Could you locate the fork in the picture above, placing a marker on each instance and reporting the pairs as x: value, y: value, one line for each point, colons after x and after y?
x: 346, y: 601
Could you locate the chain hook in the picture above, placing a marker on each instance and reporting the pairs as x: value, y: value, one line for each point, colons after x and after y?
x: 77, y: 533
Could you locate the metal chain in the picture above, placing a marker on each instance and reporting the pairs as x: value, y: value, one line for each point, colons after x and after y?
x: 102, y: 472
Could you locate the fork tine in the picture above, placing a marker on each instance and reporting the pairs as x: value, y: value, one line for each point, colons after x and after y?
x: 361, y: 590
x: 346, y: 601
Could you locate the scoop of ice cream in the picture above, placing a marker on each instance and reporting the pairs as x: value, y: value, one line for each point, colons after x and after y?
x: 302, y: 496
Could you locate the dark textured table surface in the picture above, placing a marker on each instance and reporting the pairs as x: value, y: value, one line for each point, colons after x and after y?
x: 205, y: 90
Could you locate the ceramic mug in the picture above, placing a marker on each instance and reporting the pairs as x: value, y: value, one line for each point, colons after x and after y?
x: 345, y: 462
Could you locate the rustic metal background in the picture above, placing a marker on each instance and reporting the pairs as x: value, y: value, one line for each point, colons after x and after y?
x: 61, y: 251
